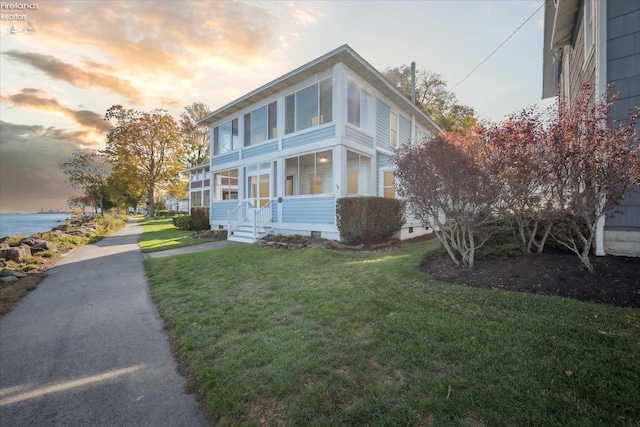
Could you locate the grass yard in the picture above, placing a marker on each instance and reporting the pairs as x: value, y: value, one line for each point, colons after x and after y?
x: 319, y: 338
x: 161, y: 234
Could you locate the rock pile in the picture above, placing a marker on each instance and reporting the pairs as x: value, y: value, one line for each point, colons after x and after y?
x: 25, y: 247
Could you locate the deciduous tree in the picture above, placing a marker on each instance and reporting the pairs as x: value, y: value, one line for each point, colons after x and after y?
x: 196, y: 137
x: 148, y: 145
x: 596, y: 160
x: 80, y: 202
x: 448, y: 187
x: 88, y: 172
x: 520, y: 158
x: 433, y: 98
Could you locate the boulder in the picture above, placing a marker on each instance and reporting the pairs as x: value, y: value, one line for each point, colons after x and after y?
x: 43, y: 245
x: 5, y: 272
x: 8, y: 280
x: 16, y: 253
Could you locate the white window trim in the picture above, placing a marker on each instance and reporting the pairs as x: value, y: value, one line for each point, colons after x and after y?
x: 250, y: 112
x: 361, y: 88
x: 358, y: 170
x: 311, y: 128
x: 589, y: 30
x: 397, y: 144
x: 381, y: 172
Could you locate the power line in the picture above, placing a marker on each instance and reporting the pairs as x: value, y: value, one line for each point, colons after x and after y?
x: 496, y: 49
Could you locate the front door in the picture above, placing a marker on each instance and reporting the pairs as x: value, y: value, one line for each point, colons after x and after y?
x: 258, y: 185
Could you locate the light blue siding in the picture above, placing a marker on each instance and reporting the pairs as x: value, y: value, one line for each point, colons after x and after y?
x: 311, y: 210
x: 359, y: 137
x: 405, y: 130
x: 258, y: 150
x: 220, y: 209
x: 383, y: 111
x: 309, y: 137
x: 274, y: 211
x: 225, y: 158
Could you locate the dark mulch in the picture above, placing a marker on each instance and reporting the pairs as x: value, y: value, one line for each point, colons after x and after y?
x: 616, y: 281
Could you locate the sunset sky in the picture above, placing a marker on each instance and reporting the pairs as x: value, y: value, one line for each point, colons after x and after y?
x: 67, y: 62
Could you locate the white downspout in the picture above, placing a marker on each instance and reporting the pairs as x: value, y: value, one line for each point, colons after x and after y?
x: 601, y: 89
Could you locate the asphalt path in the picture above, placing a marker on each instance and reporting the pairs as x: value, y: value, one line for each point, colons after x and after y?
x: 86, y: 348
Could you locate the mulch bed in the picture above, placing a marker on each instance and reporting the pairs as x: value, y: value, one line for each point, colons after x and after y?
x: 616, y: 281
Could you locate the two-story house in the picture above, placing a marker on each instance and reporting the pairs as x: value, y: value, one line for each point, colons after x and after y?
x: 282, y: 154
x: 598, y: 42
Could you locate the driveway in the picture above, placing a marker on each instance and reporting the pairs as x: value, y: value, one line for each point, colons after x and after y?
x: 86, y: 348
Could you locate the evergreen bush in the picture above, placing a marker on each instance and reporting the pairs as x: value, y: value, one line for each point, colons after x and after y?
x: 366, y: 218
x: 200, y: 218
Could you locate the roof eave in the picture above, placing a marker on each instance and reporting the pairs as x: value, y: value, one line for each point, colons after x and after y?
x: 342, y: 54
x: 563, y: 22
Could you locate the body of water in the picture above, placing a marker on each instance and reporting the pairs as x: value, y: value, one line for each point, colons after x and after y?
x: 28, y: 224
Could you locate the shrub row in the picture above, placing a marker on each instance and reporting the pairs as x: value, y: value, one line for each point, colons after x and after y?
x: 366, y: 218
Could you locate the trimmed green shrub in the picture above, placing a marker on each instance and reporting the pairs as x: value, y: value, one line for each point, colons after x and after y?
x: 183, y: 222
x: 162, y: 213
x: 200, y: 218
x: 366, y: 218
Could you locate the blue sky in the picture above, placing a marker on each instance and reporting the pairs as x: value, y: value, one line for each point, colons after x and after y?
x: 57, y: 82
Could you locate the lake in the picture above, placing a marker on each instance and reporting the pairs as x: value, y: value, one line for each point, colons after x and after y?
x: 29, y: 223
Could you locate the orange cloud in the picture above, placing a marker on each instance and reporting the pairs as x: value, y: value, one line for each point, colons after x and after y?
x: 160, y: 37
x: 32, y: 98
x: 84, y: 78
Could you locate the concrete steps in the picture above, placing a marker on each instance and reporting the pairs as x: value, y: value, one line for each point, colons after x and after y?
x: 244, y: 233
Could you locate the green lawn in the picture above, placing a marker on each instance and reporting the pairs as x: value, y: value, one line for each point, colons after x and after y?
x: 320, y: 338
x: 161, y: 234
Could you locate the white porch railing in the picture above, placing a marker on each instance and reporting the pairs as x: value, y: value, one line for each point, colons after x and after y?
x: 237, y: 216
x: 261, y: 217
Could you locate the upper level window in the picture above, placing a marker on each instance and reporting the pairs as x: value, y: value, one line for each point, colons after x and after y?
x: 308, y: 107
x: 421, y: 136
x: 261, y: 125
x: 393, y: 129
x: 358, y: 106
x: 589, y: 29
x: 225, y: 137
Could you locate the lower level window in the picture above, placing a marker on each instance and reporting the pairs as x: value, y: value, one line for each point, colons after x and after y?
x: 388, y: 185
x: 196, y: 198
x: 225, y: 185
x: 358, y: 174
x: 309, y: 174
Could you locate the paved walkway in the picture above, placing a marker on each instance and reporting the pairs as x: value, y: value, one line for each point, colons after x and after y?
x: 86, y: 348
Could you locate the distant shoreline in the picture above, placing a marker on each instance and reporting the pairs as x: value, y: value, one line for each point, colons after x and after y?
x: 27, y: 224
x: 37, y: 213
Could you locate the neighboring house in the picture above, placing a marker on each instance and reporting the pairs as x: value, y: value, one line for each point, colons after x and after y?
x: 283, y: 154
x: 598, y: 41
x: 174, y: 204
x: 199, y: 185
